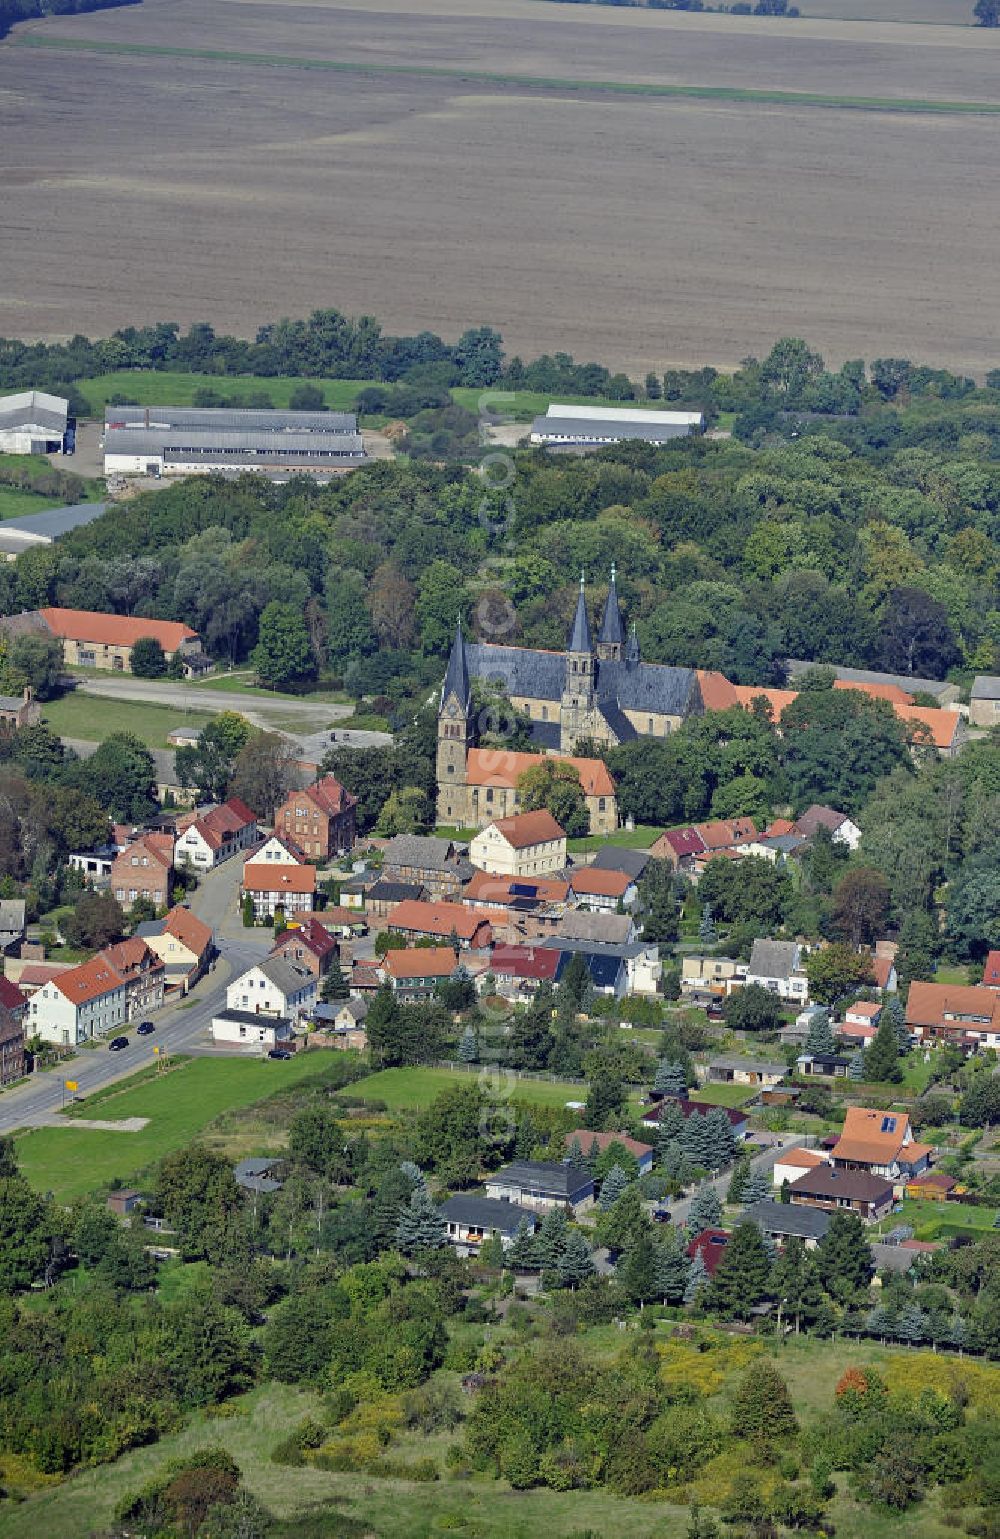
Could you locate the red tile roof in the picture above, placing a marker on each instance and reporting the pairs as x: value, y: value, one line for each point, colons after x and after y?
x: 115, y: 630
x: 586, y: 882
x: 265, y: 877
x: 535, y: 963
x: 991, y: 971
x: 11, y: 997
x: 951, y: 1004
x: 866, y: 1140
x: 484, y: 888
x: 882, y: 969
x: 130, y: 956
x: 188, y: 929
x: 527, y: 828
x: 891, y: 692
x: 89, y: 981
x: 420, y: 962
x: 942, y: 726
x: 439, y: 919
x: 710, y: 1245
x: 604, y: 1140
x: 310, y: 934
x: 717, y: 693
x: 329, y: 796
x: 503, y: 768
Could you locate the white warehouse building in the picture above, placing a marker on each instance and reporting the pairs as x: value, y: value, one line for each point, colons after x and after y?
x: 32, y: 422
x: 189, y: 440
x: 591, y: 427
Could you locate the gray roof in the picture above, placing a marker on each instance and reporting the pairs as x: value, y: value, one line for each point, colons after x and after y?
x: 773, y: 959
x: 456, y: 680
x: 893, y: 1258
x: 253, y: 1175
x: 194, y: 443
x: 751, y: 1065
x: 393, y: 892
x: 985, y: 686
x: 590, y: 431
x: 579, y: 636
x: 784, y: 844
x: 546, y: 734
x: 537, y: 675
x: 487, y: 1213
x: 624, y: 950
x: 285, y: 975
x: 614, y: 929
x: 618, y: 721
x: 248, y: 1018
x: 52, y: 522
x: 228, y: 418
x: 547, y: 1177
x: 783, y: 1218
x: 797, y: 666
x: 150, y: 927
x: 419, y: 851
x: 11, y: 702
x: 612, y: 630
x: 610, y: 857
x: 164, y: 766
x: 34, y: 408
x: 11, y: 914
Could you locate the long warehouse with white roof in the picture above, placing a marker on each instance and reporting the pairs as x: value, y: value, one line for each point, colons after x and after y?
x: 591, y: 427
x: 186, y: 441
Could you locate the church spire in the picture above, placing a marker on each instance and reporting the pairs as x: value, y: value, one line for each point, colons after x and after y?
x: 632, y: 648
x: 456, y: 680
x: 579, y: 636
x: 612, y: 633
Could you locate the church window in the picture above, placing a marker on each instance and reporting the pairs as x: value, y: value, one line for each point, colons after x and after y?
x: 651, y: 724
x: 600, y: 804
x: 545, y: 713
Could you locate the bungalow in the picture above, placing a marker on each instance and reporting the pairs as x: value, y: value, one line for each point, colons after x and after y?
x: 781, y: 1221
x: 519, y: 970
x: 710, y: 1245
x: 244, y: 1028
x: 603, y: 890
x: 778, y: 967
x: 822, y: 1065
x: 206, y: 841
x: 744, y: 1071
x: 273, y: 987
x: 182, y: 942
x: 308, y: 944
x: 270, y: 887
x: 526, y: 844
x: 652, y: 1113
x: 471, y: 1220
x: 596, y: 1143
x: 881, y: 1142
x: 413, y: 975
x: 444, y: 921
x: 852, y: 1191
x: 968, y: 1016
x: 13, y: 1009
x: 543, y: 1185
x: 793, y: 1163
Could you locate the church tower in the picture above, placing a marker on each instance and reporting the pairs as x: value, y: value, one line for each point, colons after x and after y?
x: 611, y: 638
x: 455, y: 736
x: 577, y: 705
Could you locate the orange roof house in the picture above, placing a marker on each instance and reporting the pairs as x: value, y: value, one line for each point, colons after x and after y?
x: 419, y: 962
x: 291, y: 879
x: 587, y: 882
x: 717, y: 694
x: 968, y: 1015
x: 502, y: 891
x: 83, y: 984
x: 524, y: 829
x: 411, y: 917
x: 881, y: 1142
x: 944, y: 730
x: 90, y: 626
x: 503, y: 768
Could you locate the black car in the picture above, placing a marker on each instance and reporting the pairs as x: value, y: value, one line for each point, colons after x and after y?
x: 117, y: 1043
x: 279, y: 1052
x: 144, y: 1028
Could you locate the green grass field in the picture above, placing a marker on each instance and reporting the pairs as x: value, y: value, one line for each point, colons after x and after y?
x: 639, y: 838
x: 154, y: 387
x: 724, y: 1095
x: 15, y: 503
x: 931, y: 1220
x: 413, y: 1089
x: 87, y: 717
x: 180, y: 1104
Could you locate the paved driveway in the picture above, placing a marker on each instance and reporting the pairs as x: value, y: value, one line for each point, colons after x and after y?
x: 766, y: 1161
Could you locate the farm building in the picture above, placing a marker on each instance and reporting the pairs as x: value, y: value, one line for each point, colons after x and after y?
x: 186, y: 441
x: 591, y: 427
x: 32, y: 422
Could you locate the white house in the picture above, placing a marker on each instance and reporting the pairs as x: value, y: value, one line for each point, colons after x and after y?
x: 792, y: 1163
x: 84, y: 1002
x: 527, y: 844
x: 273, y: 987
x: 777, y: 967
x: 472, y: 1220
x: 841, y: 828
x: 216, y: 836
x: 278, y: 884
x: 241, y: 1028
x: 280, y: 851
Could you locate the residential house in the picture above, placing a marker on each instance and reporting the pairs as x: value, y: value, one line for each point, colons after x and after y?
x: 444, y: 921
x: 382, y: 900
x: 290, y: 888
x: 778, y: 967
x: 851, y: 1191
x: 602, y: 890
x: 792, y: 1163
x: 167, y: 782
x: 946, y: 731
x: 142, y: 972
x: 590, y: 1143
x: 183, y: 736
x: 882, y: 1143
x: 308, y: 944
x: 710, y: 1245
x: 984, y: 700
x: 471, y: 1220
x: 279, y: 850
x: 13, y: 1009
x: 244, y: 1028
x: 991, y: 971
x: 183, y: 943
x: 414, y: 974
x: 94, y: 640
x: 527, y: 844
x: 615, y: 970
x: 777, y: 848
x: 95, y: 866
x: 12, y: 928
x: 144, y: 869
x: 652, y: 1113
x: 680, y: 846
x: 217, y: 835
x: 822, y: 1065
x: 342, y: 923
x: 712, y: 975
x: 79, y: 1004
x: 423, y: 861
x: 968, y: 1016
x: 321, y: 819
x: 519, y: 970
x: 354, y: 891
x: 863, y: 1012
x: 342, y: 1023
x: 18, y: 711
x: 613, y: 857
x: 735, y: 1070
x: 520, y: 909
x: 542, y: 1185
x: 273, y: 987
x: 783, y: 1221
x: 580, y: 925
x: 841, y: 828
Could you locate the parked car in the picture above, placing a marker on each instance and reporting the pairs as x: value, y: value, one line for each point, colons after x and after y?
x: 144, y: 1028
x: 662, y: 1216
x: 117, y: 1043
x: 279, y: 1052
x: 715, y: 1011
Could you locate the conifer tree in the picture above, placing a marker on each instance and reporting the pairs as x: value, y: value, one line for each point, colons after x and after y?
x: 468, y: 1047
x: 698, y: 1280
x: 411, y: 1170
x: 738, y: 1179
x: 334, y: 984
x: 575, y: 1154
x: 707, y: 933
x: 881, y: 1058
x: 762, y: 1406
x: 620, y: 1226
x: 741, y: 1278
x: 720, y: 1141
x: 522, y: 1250
x: 670, y: 1126
x: 670, y: 1078
x: 897, y: 1015
x: 574, y: 1265
x: 612, y: 1187
x: 420, y: 1226
x: 758, y: 1188
x: 673, y: 1268
x: 843, y: 1256
x: 820, y: 1037
x: 705, y: 1211
x: 856, y: 1067
x: 637, y: 1274
x: 550, y: 1241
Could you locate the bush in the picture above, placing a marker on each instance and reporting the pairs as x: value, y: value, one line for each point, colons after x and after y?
x: 424, y: 1470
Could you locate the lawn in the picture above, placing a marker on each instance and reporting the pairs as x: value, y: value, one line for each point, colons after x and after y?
x: 242, y: 681
x: 639, y: 838
x: 180, y: 1104
x: 724, y: 1095
x: 413, y: 1089
x: 89, y: 718
x: 155, y: 387
x: 15, y: 503
x: 527, y: 404
x: 932, y: 1220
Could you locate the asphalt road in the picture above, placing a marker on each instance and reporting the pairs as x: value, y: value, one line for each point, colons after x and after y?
x: 764, y: 1161
x: 182, y: 1027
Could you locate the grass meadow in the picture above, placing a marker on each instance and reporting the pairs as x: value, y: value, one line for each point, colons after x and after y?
x: 83, y: 716
x: 413, y: 1089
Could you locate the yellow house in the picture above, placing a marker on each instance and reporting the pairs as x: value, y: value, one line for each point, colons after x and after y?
x: 527, y: 844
